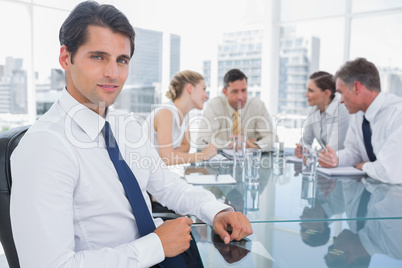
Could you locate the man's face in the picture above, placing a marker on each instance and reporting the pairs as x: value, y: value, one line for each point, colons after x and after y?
x: 100, y: 68
x: 349, y: 96
x: 236, y: 93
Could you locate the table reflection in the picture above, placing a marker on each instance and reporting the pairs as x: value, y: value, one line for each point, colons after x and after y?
x: 281, y: 193
x: 320, y: 221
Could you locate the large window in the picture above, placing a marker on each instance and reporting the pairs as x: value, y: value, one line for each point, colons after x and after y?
x: 15, y: 63
x: 322, y: 35
x: 374, y: 38
x: 277, y: 43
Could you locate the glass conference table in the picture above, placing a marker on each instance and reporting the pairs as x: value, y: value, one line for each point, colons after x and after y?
x: 295, y: 218
x: 282, y: 193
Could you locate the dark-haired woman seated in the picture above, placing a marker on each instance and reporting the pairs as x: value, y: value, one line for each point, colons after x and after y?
x: 328, y: 119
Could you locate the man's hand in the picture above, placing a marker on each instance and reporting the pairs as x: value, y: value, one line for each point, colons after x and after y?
x: 299, y: 151
x: 328, y: 158
x: 234, y: 221
x: 360, y: 165
x: 237, y: 137
x: 250, y: 144
x: 175, y: 236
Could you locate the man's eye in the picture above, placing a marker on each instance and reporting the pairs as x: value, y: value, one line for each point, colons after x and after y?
x: 122, y: 61
x: 96, y: 57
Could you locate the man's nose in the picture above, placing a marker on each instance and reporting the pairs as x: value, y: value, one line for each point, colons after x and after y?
x: 111, y: 70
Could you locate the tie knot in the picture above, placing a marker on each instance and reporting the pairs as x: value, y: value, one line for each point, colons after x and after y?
x: 365, y: 119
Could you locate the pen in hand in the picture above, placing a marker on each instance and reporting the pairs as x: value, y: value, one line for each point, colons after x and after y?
x: 205, y: 141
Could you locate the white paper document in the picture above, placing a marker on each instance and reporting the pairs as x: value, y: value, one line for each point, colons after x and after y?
x: 210, y: 179
x: 293, y: 159
x: 227, y: 153
x: 341, y: 171
x: 218, y: 158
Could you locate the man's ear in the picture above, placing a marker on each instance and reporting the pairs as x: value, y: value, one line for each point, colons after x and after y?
x: 64, y: 58
x: 358, y: 87
x: 224, y: 91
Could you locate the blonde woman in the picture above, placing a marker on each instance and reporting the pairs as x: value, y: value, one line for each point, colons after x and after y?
x: 168, y: 126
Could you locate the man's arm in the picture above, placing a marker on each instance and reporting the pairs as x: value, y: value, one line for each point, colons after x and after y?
x: 387, y: 168
x: 211, y: 128
x: 265, y: 138
x: 186, y: 199
x: 45, y: 173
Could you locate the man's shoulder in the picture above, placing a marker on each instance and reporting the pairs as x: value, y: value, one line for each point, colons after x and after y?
x: 219, y: 100
x: 216, y: 104
x: 255, y: 101
x: 255, y: 106
x: 392, y: 101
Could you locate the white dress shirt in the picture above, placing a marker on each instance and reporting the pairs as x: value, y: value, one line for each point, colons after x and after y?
x: 178, y: 129
x: 68, y: 206
x: 329, y: 127
x: 385, y: 117
x: 216, y: 124
x: 377, y: 236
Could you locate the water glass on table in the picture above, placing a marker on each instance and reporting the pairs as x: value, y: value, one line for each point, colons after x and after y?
x: 253, y: 162
x: 239, y: 150
x: 310, y: 161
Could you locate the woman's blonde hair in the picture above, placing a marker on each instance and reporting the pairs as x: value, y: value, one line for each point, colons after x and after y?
x: 180, y: 80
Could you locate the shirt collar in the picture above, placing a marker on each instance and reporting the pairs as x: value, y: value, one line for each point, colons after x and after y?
x: 230, y: 109
x: 374, y: 107
x: 333, y: 106
x: 89, y: 121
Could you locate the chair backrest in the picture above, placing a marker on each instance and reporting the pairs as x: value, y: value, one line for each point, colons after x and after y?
x: 8, y: 141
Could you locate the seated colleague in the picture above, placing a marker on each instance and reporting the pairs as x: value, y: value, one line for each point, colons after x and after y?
x: 376, y: 149
x: 167, y: 125
x: 233, y: 114
x: 68, y: 205
x: 328, y: 120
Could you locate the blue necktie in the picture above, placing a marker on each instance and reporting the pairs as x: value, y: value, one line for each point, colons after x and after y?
x: 367, y: 139
x: 362, y: 209
x: 144, y: 220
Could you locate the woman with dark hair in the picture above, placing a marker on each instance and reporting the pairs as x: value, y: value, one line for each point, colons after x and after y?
x: 328, y: 119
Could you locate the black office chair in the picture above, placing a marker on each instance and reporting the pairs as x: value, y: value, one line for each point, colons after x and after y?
x: 8, y: 141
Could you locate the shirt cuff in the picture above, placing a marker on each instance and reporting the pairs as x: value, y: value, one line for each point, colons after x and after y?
x: 149, y: 250
x: 210, y: 210
x: 366, y: 166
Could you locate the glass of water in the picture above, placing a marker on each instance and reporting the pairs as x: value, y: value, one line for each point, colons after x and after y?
x: 310, y: 161
x: 239, y: 150
x: 252, y: 162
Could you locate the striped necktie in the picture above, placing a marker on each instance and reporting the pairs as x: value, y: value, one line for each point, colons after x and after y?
x: 236, y: 130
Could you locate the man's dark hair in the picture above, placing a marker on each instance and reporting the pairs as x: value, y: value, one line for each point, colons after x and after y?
x: 360, y: 70
x: 323, y: 81
x: 74, y: 31
x: 233, y: 75
x: 317, y: 239
x: 362, y: 262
